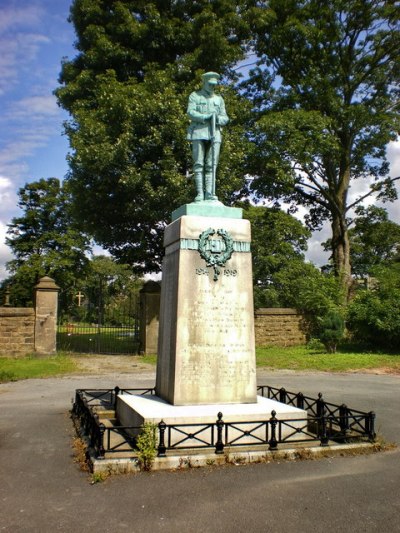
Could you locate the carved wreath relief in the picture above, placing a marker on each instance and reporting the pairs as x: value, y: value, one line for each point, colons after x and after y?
x: 209, y: 251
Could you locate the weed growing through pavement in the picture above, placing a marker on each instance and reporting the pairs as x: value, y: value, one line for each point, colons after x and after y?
x: 80, y: 456
x: 146, y: 444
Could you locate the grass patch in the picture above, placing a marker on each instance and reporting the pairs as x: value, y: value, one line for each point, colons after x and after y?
x: 148, y: 359
x: 14, y: 369
x: 93, y: 340
x: 308, y: 358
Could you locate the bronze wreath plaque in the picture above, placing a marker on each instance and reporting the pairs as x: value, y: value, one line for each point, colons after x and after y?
x: 214, y: 259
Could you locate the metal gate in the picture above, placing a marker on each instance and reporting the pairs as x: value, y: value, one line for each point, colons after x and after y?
x: 99, y: 321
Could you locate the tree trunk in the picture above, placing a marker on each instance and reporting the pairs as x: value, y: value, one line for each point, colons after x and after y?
x: 341, y: 255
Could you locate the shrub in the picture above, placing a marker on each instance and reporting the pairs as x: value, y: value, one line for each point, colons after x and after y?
x: 146, y: 444
x: 374, y: 315
x: 331, y: 330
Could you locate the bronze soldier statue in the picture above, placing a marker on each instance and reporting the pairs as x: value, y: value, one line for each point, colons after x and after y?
x: 207, y: 114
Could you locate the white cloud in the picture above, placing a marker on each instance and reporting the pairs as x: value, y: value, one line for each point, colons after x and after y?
x: 18, y: 17
x: 35, y: 107
x: 5, y: 252
x: 18, y: 52
x: 26, y: 125
x: 8, y: 200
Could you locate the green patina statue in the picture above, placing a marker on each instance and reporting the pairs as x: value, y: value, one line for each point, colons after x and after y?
x: 207, y: 114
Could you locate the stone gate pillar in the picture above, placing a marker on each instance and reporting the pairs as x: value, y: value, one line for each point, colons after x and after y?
x: 46, y: 299
x: 149, y: 317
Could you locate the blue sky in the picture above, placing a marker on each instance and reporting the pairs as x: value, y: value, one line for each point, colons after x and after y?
x: 34, y: 37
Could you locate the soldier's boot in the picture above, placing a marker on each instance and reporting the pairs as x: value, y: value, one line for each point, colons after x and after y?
x: 209, y: 188
x: 198, y: 179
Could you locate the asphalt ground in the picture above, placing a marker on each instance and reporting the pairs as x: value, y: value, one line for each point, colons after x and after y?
x: 43, y: 490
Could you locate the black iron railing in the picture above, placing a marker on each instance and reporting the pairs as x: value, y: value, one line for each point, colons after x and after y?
x: 325, y: 422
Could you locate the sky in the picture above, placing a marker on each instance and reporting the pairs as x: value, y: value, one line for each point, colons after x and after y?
x: 34, y: 37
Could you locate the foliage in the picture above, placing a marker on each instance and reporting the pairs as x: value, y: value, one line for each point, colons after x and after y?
x: 146, y: 444
x: 303, y: 286
x: 13, y: 369
x: 278, y: 239
x: 374, y: 315
x: 314, y: 293
x: 375, y: 240
x: 325, y: 96
x: 302, y: 358
x: 44, y: 241
x: 110, y: 291
x: 126, y: 92
x: 331, y: 330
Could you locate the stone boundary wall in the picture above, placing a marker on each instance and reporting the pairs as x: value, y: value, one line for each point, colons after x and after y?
x: 27, y: 330
x: 279, y: 327
x: 17, y: 331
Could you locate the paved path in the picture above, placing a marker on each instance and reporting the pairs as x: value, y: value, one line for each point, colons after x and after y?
x: 42, y: 490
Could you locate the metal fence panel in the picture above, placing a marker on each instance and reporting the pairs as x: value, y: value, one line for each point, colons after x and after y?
x: 101, y: 324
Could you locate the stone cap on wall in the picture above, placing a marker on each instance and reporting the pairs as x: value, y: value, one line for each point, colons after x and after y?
x: 47, y: 284
x: 276, y: 311
x: 16, y: 311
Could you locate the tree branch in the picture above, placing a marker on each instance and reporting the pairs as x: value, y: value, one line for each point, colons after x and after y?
x: 374, y: 188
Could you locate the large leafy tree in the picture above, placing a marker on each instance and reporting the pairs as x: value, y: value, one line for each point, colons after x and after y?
x: 374, y: 239
x: 374, y: 315
x: 108, y: 290
x: 326, y: 102
x: 44, y: 240
x: 278, y: 240
x: 126, y: 92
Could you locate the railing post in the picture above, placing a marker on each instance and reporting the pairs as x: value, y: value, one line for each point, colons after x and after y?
x: 273, y: 443
x: 322, y: 422
x: 86, y: 415
x: 370, y: 425
x: 101, y: 451
x: 300, y: 400
x: 116, y: 392
x: 219, y: 445
x: 320, y: 405
x: 282, y: 395
x: 161, y: 440
x: 344, y: 420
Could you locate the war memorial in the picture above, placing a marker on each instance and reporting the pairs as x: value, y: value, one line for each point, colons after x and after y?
x: 206, y: 397
x: 206, y: 353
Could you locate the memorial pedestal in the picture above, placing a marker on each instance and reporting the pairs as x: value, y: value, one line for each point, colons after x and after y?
x: 206, y: 351
x: 135, y: 410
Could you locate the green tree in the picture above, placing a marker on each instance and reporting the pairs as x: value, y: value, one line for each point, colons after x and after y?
x: 44, y: 240
x: 325, y: 97
x: 331, y: 330
x: 126, y: 92
x: 374, y: 240
x: 109, y: 292
x: 278, y: 239
x: 374, y: 315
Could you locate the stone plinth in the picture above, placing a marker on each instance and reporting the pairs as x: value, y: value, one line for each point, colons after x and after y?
x: 213, y: 208
x: 136, y: 410
x: 206, y: 351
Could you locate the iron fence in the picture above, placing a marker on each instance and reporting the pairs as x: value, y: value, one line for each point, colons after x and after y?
x: 325, y: 422
x: 101, y: 324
